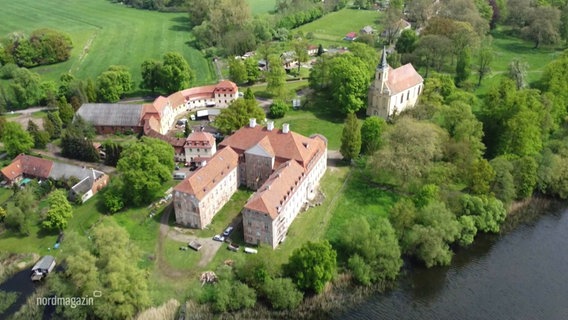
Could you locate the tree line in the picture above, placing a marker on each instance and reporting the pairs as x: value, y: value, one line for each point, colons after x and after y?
x: 227, y: 27
x: 40, y: 47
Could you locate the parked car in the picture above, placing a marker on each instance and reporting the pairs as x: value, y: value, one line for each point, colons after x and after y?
x: 219, y: 238
x: 233, y: 247
x: 251, y: 250
x: 228, y: 231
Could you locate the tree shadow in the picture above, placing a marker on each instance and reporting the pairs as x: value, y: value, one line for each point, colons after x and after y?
x: 322, y: 107
x: 181, y: 24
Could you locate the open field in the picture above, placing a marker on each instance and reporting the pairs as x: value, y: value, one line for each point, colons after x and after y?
x: 331, y: 28
x: 261, y: 6
x: 105, y: 34
x: 507, y: 47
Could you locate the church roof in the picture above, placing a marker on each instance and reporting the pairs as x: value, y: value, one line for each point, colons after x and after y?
x: 403, y: 78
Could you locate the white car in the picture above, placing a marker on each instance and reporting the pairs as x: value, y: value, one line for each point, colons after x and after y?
x: 219, y: 238
x: 228, y: 231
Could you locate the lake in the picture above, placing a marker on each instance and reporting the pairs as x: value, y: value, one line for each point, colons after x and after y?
x: 520, y: 275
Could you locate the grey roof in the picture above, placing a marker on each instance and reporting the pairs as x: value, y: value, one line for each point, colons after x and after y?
x: 111, y: 114
x: 258, y: 150
x: 383, y: 64
x: 87, y: 182
x: 64, y: 170
x: 44, y: 263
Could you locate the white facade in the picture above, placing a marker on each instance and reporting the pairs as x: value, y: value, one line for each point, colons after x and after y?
x: 393, y: 90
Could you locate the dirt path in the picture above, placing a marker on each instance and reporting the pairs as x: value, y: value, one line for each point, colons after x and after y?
x: 208, y: 250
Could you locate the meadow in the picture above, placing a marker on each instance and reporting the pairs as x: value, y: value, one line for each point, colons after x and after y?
x: 105, y: 34
x: 261, y: 6
x: 506, y: 47
x: 331, y: 28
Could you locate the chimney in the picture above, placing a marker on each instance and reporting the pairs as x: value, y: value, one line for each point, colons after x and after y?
x: 252, y: 122
x: 285, y: 128
x: 270, y: 125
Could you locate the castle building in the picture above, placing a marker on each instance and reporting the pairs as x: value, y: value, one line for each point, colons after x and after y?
x: 284, y: 168
x: 393, y: 90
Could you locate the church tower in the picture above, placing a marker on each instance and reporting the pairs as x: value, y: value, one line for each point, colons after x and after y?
x: 379, y: 92
x: 393, y: 90
x: 382, y: 73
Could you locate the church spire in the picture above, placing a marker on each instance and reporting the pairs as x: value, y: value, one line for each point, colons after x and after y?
x: 383, y: 64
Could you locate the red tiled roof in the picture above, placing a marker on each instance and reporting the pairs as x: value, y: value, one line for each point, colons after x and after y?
x: 285, y: 146
x: 403, y: 78
x: 160, y: 104
x: 29, y: 165
x: 277, y: 189
x: 203, y: 92
x: 226, y: 86
x: 200, y: 139
x: 206, y: 178
x: 148, y: 111
x: 151, y: 129
x: 176, y: 99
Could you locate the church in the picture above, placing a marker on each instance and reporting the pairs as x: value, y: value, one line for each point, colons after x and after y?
x: 393, y: 90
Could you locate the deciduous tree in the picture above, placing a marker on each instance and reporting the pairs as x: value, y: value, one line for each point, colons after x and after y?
x: 151, y: 75
x: 406, y: 43
x: 409, y: 150
x: 59, y: 211
x: 484, y: 60
x: 349, y: 83
x: 238, y: 114
x: 176, y: 72
x: 144, y: 166
x: 16, y: 140
x: 312, y: 266
x: 237, y: 70
x: 374, y: 251
x: 276, y: 77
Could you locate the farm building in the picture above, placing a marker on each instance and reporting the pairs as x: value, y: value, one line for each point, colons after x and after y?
x: 24, y: 166
x: 115, y: 117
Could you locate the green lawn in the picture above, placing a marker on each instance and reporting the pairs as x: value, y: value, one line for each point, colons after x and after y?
x: 5, y: 193
x: 105, y: 34
x: 507, y: 47
x: 361, y: 199
x: 38, y: 241
x: 332, y: 28
x: 260, y: 89
x: 180, y: 259
x: 261, y: 6
x: 316, y: 117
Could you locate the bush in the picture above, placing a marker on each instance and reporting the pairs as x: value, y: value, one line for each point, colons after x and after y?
x: 7, y: 71
x: 232, y: 296
x: 282, y: 294
x: 278, y: 109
